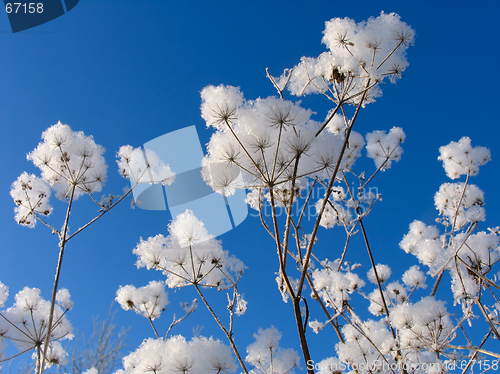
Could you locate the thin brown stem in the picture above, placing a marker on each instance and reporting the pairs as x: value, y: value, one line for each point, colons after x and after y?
x: 62, y: 246
x: 228, y: 335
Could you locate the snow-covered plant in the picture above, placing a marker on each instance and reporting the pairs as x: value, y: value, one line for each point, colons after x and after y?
x: 143, y: 166
x: 189, y: 256
x: 298, y: 169
x: 148, y: 301
x: 265, y: 354
x: 26, y: 325
x: 359, y: 57
x: 288, y: 160
x: 71, y: 165
x: 174, y: 355
x: 461, y: 248
x: 71, y: 162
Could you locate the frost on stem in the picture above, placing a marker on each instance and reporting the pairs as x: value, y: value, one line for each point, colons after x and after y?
x: 189, y: 256
x: 25, y: 324
x: 175, y: 355
x: 267, y: 356
x: 68, y: 158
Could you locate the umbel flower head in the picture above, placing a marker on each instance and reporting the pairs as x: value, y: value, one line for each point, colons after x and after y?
x: 189, y: 255
x: 68, y: 158
x: 25, y: 322
x: 31, y: 195
x: 69, y: 161
x: 359, y: 56
x: 261, y: 142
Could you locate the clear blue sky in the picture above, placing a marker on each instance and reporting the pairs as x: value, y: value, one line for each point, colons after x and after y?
x: 129, y: 71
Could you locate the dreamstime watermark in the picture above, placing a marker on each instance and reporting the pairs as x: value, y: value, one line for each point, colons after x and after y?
x: 182, y: 151
x: 379, y: 365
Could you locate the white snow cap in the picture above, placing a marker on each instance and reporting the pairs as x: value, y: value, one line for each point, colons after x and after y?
x: 66, y: 157
x: 460, y: 158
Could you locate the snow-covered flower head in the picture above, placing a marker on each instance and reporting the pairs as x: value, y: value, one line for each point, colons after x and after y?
x: 384, y: 148
x: 272, y: 144
x: 358, y: 57
x: 460, y: 203
x: 334, y: 214
x: 364, y: 345
x: 383, y: 273
x: 220, y: 105
x: 460, y: 158
x: 25, y: 323
x: 425, y: 325
x: 414, y: 278
x: 31, y: 196
x: 265, y: 353
x: 148, y: 301
x: 189, y: 255
x: 68, y: 158
x: 333, y: 286
x: 200, y: 355
x: 143, y: 166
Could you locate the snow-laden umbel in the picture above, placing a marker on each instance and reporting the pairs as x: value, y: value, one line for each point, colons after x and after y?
x: 460, y: 204
x: 143, y: 166
x: 334, y: 214
x: 25, y: 323
x: 422, y: 241
x: 461, y: 158
x: 220, y: 105
x: 270, y: 142
x: 148, y: 301
x: 189, y: 255
x: 267, y: 356
x: 468, y: 255
x: 359, y: 56
x: 31, y: 195
x: 414, y: 278
x: 366, y: 347
x: 423, y: 327
x: 383, y: 274
x: 385, y: 148
x: 175, y: 355
x: 335, y: 286
x: 68, y: 158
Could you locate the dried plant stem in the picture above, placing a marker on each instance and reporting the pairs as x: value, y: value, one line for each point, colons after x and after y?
x: 228, y: 335
x: 62, y: 246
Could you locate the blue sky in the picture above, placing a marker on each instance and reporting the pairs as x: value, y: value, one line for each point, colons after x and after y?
x: 129, y: 71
